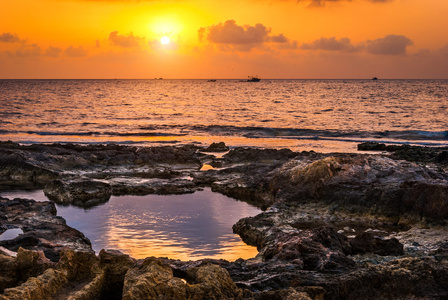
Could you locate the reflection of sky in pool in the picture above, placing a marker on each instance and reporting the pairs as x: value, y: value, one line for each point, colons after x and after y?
x: 190, y: 226
x: 10, y: 234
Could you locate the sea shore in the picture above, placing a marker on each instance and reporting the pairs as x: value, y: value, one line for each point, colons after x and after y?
x: 367, y: 225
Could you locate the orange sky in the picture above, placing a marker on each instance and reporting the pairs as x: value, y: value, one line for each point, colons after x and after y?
x: 224, y: 39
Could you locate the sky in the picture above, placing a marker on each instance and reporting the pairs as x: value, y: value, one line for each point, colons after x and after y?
x: 284, y: 39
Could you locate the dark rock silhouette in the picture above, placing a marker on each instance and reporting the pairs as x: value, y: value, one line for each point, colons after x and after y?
x: 335, y: 226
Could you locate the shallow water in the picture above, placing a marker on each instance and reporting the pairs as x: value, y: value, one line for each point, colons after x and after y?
x: 10, y: 234
x: 320, y: 115
x: 187, y: 227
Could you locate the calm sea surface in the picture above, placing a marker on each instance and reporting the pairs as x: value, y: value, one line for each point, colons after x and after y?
x: 320, y: 115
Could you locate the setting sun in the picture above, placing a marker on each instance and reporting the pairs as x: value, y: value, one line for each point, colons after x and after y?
x: 409, y: 42
x: 165, y: 40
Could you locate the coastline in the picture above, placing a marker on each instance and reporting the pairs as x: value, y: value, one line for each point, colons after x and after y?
x: 335, y: 225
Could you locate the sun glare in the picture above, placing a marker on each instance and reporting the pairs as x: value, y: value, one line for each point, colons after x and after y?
x: 165, y: 40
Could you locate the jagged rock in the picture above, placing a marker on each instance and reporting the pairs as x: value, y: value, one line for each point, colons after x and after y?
x: 441, y: 253
x: 153, y: 279
x: 217, y: 147
x: 41, y: 287
x: 427, y: 199
x: 311, y: 238
x: 40, y: 164
x: 364, y: 184
x: 42, y: 229
x: 115, y: 265
x: 318, y: 249
x: 286, y: 294
x: 367, y: 242
x: 407, y: 278
x: 410, y: 153
x: 372, y: 146
x: 249, y: 155
x: 442, y: 157
x: 26, y: 264
x: 82, y: 193
x: 152, y: 186
x: 75, y: 276
x: 209, y: 281
x: 16, y: 171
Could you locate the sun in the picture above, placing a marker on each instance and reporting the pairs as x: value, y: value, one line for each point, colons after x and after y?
x: 165, y: 40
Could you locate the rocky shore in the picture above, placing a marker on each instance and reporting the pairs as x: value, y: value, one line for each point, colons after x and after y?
x: 371, y: 225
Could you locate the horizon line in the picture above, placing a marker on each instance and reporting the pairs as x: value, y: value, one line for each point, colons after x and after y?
x: 211, y: 78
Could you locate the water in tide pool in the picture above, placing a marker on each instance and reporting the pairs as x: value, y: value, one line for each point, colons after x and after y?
x: 319, y: 115
x: 186, y: 227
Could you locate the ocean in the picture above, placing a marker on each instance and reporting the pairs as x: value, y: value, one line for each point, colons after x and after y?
x: 303, y: 115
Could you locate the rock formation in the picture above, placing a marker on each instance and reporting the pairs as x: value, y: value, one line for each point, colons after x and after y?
x: 335, y: 226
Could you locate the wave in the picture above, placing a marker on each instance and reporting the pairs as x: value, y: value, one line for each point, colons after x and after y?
x: 256, y: 132
x: 88, y: 133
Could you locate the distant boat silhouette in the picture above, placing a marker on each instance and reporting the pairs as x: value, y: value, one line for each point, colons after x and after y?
x: 253, y: 79
x: 211, y: 80
x: 374, y: 78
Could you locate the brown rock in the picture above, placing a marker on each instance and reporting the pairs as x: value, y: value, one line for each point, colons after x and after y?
x: 153, y: 279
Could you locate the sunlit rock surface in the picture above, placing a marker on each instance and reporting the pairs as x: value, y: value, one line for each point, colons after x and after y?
x: 336, y: 226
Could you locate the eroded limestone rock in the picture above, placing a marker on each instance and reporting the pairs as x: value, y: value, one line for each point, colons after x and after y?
x: 153, y: 279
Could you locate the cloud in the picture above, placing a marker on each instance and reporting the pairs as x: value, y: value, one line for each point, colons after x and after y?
x: 331, y: 44
x: 242, y: 37
x: 389, y: 45
x: 28, y: 50
x: 9, y: 38
x: 444, y: 50
x: 75, y: 51
x: 231, y: 33
x: 125, y: 41
x: 53, y: 51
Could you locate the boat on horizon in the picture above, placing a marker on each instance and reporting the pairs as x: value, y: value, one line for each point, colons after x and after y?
x: 253, y: 79
x: 374, y: 78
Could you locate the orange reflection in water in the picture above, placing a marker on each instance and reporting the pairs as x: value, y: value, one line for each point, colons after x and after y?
x: 160, y: 246
x: 186, y: 227
x: 319, y: 145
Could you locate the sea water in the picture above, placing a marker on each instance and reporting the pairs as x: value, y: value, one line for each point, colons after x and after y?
x: 319, y: 115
